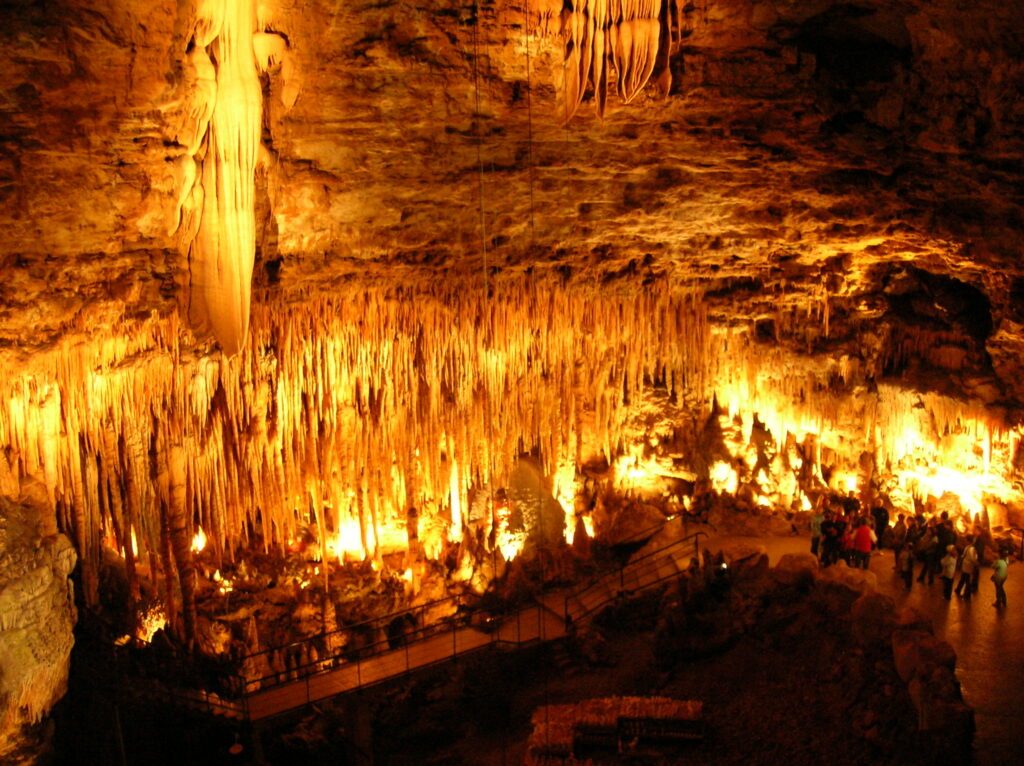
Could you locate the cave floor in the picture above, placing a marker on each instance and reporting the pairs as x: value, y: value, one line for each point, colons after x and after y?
x: 989, y: 643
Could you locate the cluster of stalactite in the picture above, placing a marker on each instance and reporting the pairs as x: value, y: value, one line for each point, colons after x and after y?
x: 943, y: 350
x: 633, y: 38
x: 928, y: 441
x: 344, y: 412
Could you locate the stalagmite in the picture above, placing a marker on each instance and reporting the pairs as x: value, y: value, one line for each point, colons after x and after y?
x: 181, y: 539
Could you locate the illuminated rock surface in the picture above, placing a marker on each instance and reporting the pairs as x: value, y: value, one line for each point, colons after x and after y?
x: 811, y: 214
x: 37, y: 615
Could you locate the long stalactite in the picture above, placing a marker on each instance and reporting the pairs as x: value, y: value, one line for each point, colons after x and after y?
x: 614, y: 42
x: 231, y: 46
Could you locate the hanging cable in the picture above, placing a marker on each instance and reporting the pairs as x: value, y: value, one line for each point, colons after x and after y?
x: 479, y: 140
x: 529, y: 123
x: 488, y: 318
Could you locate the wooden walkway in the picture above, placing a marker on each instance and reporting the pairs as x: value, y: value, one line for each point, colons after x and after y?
x: 547, y: 620
x: 642, y: 574
x: 528, y: 626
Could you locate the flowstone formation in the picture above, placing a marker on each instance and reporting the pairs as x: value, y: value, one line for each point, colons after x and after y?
x: 37, y: 615
x: 231, y: 48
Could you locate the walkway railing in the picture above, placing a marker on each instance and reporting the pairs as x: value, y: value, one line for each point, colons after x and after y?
x: 354, y: 657
x: 227, y: 692
x: 637, y: 575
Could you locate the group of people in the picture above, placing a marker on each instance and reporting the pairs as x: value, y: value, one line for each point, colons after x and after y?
x: 842, y: 532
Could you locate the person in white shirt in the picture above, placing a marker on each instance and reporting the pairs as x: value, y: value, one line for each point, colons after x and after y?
x: 999, y: 575
x: 968, y: 567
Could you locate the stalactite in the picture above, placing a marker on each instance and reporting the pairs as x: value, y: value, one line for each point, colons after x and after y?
x: 215, y: 212
x: 631, y: 34
x: 357, y: 406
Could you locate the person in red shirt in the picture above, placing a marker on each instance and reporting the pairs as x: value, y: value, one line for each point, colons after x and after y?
x: 863, y: 541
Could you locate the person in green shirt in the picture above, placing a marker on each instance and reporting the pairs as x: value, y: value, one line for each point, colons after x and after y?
x: 816, y: 519
x: 999, y: 575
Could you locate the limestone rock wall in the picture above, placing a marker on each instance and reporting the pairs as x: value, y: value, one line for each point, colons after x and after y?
x: 37, y: 616
x: 802, y: 144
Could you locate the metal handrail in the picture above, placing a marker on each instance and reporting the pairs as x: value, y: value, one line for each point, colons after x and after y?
x: 360, y: 655
x: 638, y: 564
x: 234, y: 690
x: 367, y: 651
x: 373, y: 622
x: 218, y: 702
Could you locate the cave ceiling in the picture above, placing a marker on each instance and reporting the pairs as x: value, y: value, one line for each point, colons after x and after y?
x: 865, y: 155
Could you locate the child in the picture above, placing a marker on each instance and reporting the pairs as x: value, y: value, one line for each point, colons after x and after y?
x: 905, y: 561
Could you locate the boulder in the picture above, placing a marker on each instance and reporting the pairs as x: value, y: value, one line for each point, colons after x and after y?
x: 916, y: 653
x: 632, y: 523
x: 795, y: 568
x: 745, y: 559
x: 37, y: 617
x: 212, y: 636
x: 940, y: 708
x: 669, y: 533
x: 857, y: 580
x: 873, y: 620
x: 911, y: 619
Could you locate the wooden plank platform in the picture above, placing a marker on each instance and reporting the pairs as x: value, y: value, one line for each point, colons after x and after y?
x: 544, y: 621
x: 532, y: 625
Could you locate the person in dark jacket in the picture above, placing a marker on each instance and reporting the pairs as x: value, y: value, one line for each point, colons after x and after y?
x: 829, y: 540
x: 881, y: 516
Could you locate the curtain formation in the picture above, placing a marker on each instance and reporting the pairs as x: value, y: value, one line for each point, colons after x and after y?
x: 618, y: 43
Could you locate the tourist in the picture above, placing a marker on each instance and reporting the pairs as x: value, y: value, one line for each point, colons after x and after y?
x: 899, y: 532
x: 927, y: 553
x: 945, y: 532
x: 829, y: 539
x: 847, y: 540
x: 881, y: 518
x: 948, y: 565
x: 905, y: 561
x: 863, y: 540
x: 816, y: 521
x: 913, y: 534
x: 999, y: 575
x: 979, y: 546
x: 968, y: 570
